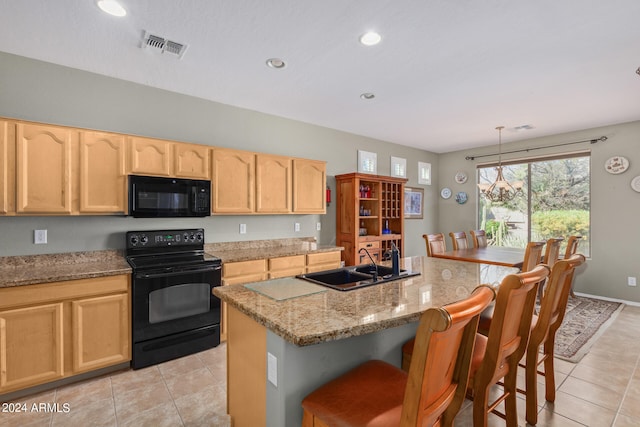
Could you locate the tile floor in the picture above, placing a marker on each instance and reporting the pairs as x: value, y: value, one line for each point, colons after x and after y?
x: 602, y: 390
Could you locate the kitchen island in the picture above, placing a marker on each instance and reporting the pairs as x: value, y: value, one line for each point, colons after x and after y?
x: 286, y: 336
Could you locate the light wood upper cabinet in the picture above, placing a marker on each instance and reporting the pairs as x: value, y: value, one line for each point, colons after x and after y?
x: 233, y: 181
x: 43, y: 168
x: 192, y: 161
x: 273, y: 184
x: 7, y: 167
x: 309, y: 185
x: 150, y: 156
x: 102, y: 173
x: 31, y: 346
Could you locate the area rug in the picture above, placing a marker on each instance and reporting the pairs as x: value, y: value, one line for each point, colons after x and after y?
x: 585, y: 320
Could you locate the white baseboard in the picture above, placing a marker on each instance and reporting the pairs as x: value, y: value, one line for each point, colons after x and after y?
x: 633, y: 303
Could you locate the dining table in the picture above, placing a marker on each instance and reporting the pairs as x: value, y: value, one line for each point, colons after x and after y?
x: 495, y: 255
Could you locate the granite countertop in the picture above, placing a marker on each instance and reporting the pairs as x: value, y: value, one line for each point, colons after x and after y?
x: 261, y: 249
x: 34, y: 269
x: 317, y: 314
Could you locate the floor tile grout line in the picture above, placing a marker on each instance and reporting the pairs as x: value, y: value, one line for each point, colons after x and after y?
x: 626, y: 390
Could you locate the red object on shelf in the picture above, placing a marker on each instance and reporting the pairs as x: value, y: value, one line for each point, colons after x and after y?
x: 328, y: 195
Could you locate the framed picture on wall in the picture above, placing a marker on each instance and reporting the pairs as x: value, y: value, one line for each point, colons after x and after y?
x: 413, y: 203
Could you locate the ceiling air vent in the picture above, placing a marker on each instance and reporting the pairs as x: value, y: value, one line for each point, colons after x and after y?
x: 163, y: 45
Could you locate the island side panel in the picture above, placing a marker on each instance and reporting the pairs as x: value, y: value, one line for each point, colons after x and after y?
x: 246, y: 370
x: 303, y: 369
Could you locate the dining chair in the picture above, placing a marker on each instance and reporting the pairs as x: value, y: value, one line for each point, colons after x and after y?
x: 435, y: 243
x: 479, y: 238
x: 572, y: 248
x: 377, y: 394
x: 543, y: 332
x: 532, y: 255
x: 459, y: 240
x: 496, y: 356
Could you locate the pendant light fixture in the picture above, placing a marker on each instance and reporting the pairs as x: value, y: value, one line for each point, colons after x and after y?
x: 501, y: 190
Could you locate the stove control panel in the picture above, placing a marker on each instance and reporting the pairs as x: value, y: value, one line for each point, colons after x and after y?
x: 165, y: 238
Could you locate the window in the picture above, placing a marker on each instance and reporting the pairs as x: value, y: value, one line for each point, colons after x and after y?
x: 555, y: 202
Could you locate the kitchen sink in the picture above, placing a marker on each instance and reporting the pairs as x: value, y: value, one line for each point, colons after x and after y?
x: 350, y: 278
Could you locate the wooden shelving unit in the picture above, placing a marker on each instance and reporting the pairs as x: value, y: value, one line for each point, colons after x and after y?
x: 370, y: 214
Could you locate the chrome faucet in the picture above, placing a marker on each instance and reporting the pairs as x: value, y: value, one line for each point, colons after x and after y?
x: 373, y: 264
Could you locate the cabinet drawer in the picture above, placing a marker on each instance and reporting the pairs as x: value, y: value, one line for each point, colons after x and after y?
x: 323, y: 258
x: 369, y: 245
x: 59, y: 291
x: 244, y: 268
x: 286, y: 263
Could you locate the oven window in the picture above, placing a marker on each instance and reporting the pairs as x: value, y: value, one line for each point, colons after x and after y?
x: 179, y: 301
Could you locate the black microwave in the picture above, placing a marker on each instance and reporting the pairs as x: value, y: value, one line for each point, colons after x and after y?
x: 156, y: 197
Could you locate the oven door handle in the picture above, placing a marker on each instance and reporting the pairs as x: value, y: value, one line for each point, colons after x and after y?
x: 176, y: 273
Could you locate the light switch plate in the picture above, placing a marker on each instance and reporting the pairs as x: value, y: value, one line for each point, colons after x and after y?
x: 243, y: 228
x: 40, y: 237
x: 296, y: 226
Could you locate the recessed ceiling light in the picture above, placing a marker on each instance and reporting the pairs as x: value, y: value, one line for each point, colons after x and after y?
x: 367, y: 95
x: 276, y: 63
x: 112, y: 7
x: 370, y: 39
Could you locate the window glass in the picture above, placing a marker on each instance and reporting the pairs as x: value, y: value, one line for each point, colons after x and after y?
x: 555, y: 202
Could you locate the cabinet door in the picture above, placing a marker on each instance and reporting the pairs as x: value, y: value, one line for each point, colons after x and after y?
x: 43, y: 163
x: 101, y: 335
x: 233, y: 181
x: 7, y: 167
x: 323, y: 261
x: 273, y: 184
x: 234, y: 273
x: 191, y: 161
x: 102, y: 173
x: 31, y: 346
x: 309, y: 186
x: 150, y: 156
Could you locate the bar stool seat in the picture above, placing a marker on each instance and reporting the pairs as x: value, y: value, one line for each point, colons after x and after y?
x: 369, y: 395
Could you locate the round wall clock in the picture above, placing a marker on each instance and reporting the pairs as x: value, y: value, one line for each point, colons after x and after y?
x: 461, y: 197
x: 635, y: 184
x: 616, y: 164
x: 461, y: 177
x: 445, y: 193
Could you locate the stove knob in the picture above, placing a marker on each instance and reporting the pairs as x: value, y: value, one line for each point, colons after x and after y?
x: 133, y: 240
x: 192, y: 237
x: 144, y: 239
x: 185, y: 237
x: 199, y: 237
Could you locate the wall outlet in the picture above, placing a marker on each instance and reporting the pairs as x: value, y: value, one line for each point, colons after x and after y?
x: 631, y: 281
x: 318, y: 226
x: 243, y: 228
x: 272, y: 369
x: 40, y: 237
x: 296, y: 226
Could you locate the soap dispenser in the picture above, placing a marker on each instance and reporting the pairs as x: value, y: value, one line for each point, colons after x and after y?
x: 395, y: 259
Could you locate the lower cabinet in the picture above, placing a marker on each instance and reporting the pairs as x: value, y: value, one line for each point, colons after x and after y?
x: 57, y: 330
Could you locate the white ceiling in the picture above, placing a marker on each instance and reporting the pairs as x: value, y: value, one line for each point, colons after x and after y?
x: 445, y: 74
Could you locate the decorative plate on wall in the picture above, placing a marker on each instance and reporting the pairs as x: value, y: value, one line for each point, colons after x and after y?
x: 461, y: 197
x: 635, y: 184
x: 461, y: 177
x: 616, y: 164
x: 445, y: 193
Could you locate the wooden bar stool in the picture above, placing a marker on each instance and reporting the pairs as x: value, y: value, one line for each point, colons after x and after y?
x: 572, y: 248
x: 459, y: 240
x: 543, y: 333
x: 435, y: 243
x: 377, y: 394
x: 497, y: 355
